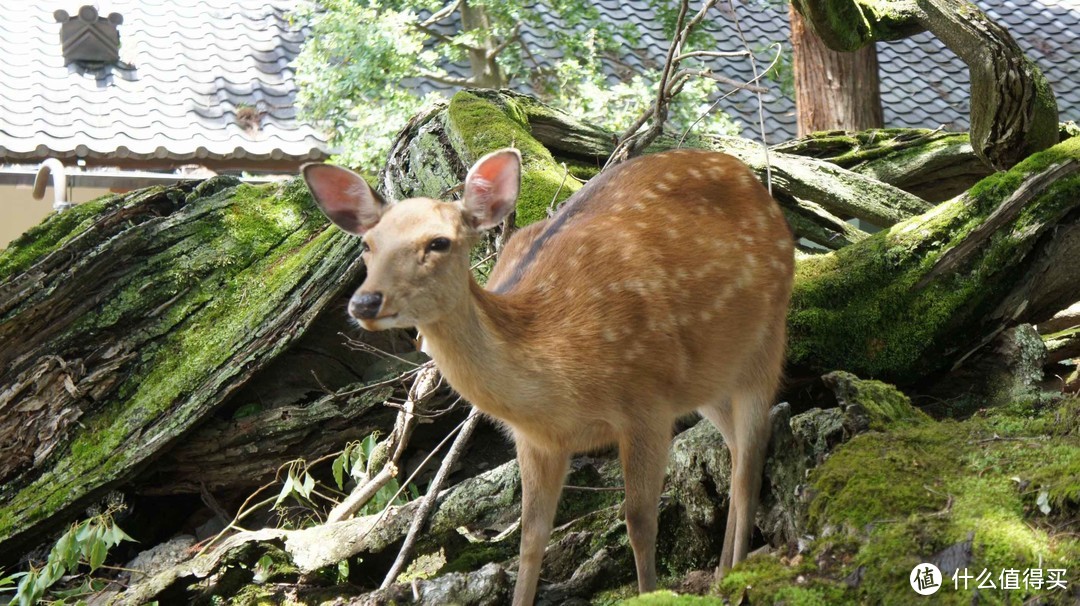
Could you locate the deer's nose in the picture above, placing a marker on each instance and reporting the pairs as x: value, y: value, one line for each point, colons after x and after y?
x: 365, y: 305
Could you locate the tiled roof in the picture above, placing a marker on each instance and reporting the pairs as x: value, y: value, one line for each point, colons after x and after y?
x: 198, y: 80
x: 194, y: 64
x: 923, y: 84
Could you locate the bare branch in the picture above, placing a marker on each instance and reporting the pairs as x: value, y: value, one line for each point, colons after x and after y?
x: 711, y: 54
x: 422, y: 513
x: 450, y: 80
x: 441, y: 14
x: 510, y: 39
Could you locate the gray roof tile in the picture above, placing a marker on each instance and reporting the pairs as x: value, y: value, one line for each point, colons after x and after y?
x: 191, y: 65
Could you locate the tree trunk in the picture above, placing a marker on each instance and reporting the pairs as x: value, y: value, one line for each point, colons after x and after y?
x: 833, y: 90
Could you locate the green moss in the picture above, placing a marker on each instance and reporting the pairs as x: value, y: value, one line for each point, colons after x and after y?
x: 475, y: 555
x: 909, y: 493
x: 477, y: 127
x: 884, y: 404
x: 768, y: 580
x: 862, y: 309
x: 670, y: 598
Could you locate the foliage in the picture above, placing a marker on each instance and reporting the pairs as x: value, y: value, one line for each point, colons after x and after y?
x: 359, y: 460
x: 355, y: 465
x: 85, y: 544
x: 359, y: 69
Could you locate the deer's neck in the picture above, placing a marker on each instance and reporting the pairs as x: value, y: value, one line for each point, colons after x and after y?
x: 475, y: 347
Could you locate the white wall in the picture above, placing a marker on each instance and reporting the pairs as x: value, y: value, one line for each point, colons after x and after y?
x: 19, y: 211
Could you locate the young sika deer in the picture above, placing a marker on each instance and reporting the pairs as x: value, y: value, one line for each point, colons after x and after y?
x: 660, y: 288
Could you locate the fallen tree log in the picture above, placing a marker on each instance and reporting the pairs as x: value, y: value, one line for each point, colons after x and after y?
x: 129, y: 320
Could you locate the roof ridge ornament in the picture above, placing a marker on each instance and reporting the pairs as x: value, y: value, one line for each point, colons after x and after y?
x: 87, y: 37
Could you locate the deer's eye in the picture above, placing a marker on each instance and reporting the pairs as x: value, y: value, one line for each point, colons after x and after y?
x: 439, y: 245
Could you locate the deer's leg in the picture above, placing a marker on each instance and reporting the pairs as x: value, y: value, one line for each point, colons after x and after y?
x: 644, y: 456
x: 542, y: 475
x: 720, y: 415
x: 750, y: 412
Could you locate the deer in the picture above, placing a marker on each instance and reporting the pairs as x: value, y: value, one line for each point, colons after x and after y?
x: 659, y: 288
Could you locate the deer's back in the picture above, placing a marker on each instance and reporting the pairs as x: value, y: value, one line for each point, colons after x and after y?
x: 670, y: 274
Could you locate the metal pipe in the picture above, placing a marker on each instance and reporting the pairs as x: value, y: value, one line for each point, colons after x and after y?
x: 52, y: 166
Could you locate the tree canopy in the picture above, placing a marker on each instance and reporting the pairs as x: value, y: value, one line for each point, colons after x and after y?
x: 370, y: 65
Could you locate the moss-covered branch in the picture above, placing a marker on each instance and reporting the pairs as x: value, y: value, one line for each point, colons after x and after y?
x: 867, y: 307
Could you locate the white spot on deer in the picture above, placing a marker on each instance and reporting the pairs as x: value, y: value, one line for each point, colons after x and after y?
x: 760, y: 221
x: 681, y: 274
x: 774, y: 210
x: 662, y: 186
x: 694, y: 173
x: 744, y: 278
x: 783, y: 244
x: 648, y: 194
x: 748, y: 180
x: 609, y: 335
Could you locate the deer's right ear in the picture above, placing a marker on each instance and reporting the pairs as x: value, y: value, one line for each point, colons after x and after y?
x: 344, y: 197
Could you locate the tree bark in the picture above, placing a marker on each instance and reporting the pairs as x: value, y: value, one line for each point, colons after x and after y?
x: 833, y: 90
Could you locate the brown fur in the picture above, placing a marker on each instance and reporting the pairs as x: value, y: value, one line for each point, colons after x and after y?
x: 664, y: 291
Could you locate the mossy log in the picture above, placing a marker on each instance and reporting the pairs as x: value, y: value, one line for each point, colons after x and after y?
x: 1013, y: 111
x: 128, y: 320
x: 932, y: 164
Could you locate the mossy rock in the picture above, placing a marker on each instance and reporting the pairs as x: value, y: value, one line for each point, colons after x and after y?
x: 971, y: 494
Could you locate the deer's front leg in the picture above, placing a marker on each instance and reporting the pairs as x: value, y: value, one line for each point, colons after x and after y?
x: 542, y: 475
x: 644, y: 455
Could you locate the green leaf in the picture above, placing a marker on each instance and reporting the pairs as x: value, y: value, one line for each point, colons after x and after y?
x: 286, y: 489
x: 343, y: 571
x: 83, y: 530
x: 116, y: 535
x: 98, y: 551
x: 338, y: 469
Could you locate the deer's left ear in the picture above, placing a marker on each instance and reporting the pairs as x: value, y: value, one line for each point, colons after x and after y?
x: 491, y: 188
x: 344, y: 197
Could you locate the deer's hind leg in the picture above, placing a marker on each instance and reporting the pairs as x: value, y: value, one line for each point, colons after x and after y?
x: 743, y: 421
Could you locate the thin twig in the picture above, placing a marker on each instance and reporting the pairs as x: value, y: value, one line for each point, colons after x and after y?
x: 421, y: 515
x: 776, y: 59
x: 551, y: 205
x: 761, y: 103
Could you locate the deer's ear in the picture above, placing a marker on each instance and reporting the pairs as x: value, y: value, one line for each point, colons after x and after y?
x: 344, y: 197
x: 491, y: 188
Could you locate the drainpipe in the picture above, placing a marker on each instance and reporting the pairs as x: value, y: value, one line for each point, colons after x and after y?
x: 59, y: 179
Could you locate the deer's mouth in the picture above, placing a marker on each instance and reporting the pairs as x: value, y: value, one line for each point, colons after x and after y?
x: 382, y: 322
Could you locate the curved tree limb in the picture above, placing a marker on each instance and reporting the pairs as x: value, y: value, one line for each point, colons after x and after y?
x: 1013, y: 111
